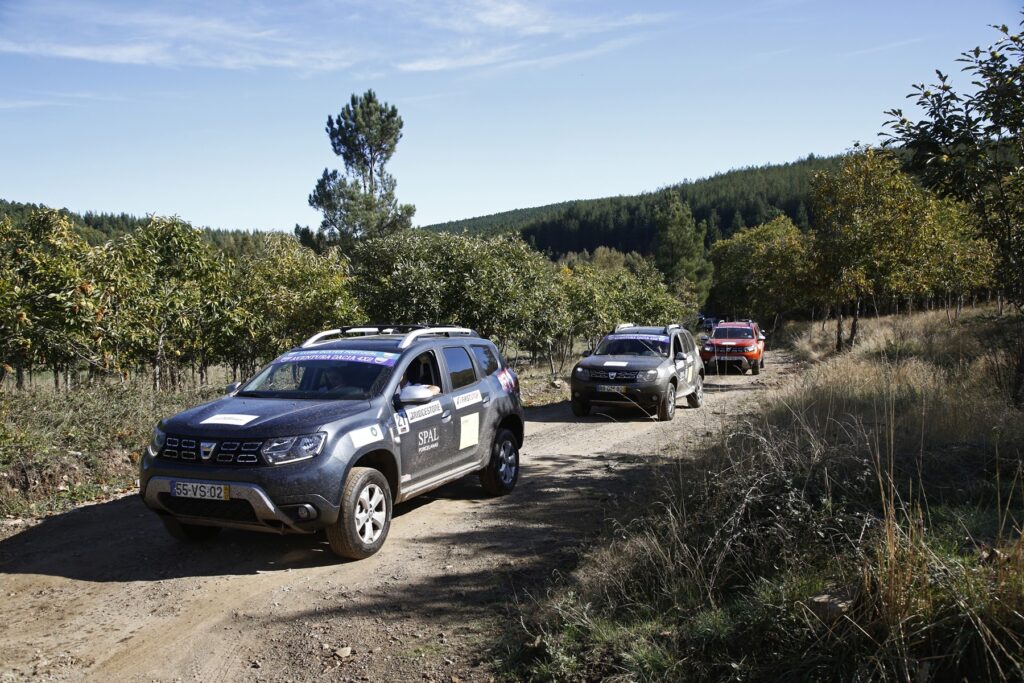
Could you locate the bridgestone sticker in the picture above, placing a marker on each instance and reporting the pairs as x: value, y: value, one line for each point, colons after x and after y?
x: 463, y: 400
x: 382, y: 358
x: 229, y: 419
x: 365, y: 435
x: 643, y: 337
x: 469, y: 430
x: 423, y: 412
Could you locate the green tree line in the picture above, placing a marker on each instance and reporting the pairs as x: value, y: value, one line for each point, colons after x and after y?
x: 162, y: 301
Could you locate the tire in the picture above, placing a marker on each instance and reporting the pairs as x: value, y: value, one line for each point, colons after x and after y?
x: 696, y: 398
x: 502, y: 471
x: 580, y: 408
x: 755, y: 368
x: 667, y: 405
x: 189, y: 533
x: 762, y: 361
x: 365, y: 518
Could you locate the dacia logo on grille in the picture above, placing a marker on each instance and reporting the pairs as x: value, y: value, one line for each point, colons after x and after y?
x: 611, y: 375
x: 206, y: 449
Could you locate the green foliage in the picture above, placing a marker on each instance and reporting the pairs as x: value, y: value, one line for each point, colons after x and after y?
x: 970, y: 146
x: 764, y: 271
x: 627, y: 223
x: 360, y: 203
x: 679, y: 247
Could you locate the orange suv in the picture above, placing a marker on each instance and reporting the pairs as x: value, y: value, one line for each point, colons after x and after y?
x: 739, y: 343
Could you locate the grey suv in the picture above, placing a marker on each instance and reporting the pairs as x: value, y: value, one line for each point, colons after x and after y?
x: 646, y: 367
x: 331, y: 434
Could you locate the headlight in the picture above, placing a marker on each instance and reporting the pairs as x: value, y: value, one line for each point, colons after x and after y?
x: 157, y: 442
x: 646, y: 375
x: 749, y: 349
x: 582, y: 373
x: 292, y: 448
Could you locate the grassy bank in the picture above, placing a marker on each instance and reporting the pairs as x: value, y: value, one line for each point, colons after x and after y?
x: 864, y: 526
x: 59, y: 449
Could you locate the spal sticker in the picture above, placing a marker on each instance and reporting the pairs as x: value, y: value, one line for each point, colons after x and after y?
x: 423, y: 412
x: 361, y: 437
x: 468, y: 399
x: 229, y: 419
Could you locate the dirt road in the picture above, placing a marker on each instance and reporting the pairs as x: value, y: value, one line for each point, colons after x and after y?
x: 102, y: 593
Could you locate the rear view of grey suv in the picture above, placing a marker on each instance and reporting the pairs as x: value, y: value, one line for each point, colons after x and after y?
x: 330, y: 435
x: 644, y: 367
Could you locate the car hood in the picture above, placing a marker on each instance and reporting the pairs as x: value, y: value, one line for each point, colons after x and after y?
x: 260, y: 417
x: 622, y: 362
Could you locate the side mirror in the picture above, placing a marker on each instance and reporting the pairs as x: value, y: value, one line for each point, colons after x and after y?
x: 232, y: 388
x: 760, y: 337
x: 415, y: 394
x: 704, y: 338
x: 682, y: 356
x: 587, y: 353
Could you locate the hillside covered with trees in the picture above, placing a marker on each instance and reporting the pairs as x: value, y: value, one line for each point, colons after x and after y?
x: 724, y: 203
x: 97, y: 228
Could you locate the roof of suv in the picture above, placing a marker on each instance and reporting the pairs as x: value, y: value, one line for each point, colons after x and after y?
x: 743, y: 324
x: 382, y: 342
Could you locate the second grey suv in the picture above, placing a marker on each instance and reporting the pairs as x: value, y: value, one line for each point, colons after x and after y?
x: 645, y: 367
x: 330, y: 435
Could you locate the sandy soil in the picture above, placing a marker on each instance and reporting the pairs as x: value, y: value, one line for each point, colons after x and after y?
x: 103, y: 593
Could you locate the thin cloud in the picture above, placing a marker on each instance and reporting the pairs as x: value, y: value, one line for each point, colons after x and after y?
x: 6, y: 105
x: 462, y: 61
x: 575, y: 56
x: 884, y: 47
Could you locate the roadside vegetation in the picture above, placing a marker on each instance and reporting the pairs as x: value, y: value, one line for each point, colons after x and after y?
x: 863, y: 525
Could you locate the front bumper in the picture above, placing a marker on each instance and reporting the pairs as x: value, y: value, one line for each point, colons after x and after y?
x: 744, y: 360
x: 263, y: 498
x: 642, y: 394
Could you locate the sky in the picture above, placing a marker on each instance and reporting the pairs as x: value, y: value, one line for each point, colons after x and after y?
x: 215, y: 111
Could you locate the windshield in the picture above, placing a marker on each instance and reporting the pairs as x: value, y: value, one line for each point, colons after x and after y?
x: 633, y: 345
x: 733, y: 333
x: 328, y: 374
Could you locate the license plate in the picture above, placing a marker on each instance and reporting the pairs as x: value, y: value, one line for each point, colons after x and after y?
x: 612, y: 388
x: 201, y: 490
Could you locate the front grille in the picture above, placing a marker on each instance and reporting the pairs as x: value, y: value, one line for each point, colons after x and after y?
x: 212, y: 451
x: 234, y: 510
x: 729, y: 349
x: 620, y: 375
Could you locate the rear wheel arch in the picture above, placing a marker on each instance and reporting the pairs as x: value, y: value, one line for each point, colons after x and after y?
x: 514, y: 425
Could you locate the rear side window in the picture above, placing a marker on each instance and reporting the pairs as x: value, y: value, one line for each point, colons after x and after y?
x: 460, y: 367
x: 485, y: 357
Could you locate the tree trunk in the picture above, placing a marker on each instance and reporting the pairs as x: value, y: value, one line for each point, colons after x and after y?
x: 959, y: 306
x: 56, y: 379
x: 19, y: 377
x: 855, y: 323
x: 839, y: 328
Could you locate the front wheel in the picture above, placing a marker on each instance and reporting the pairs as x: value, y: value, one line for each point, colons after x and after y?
x: 667, y: 406
x: 696, y: 399
x: 502, y: 471
x: 580, y: 408
x: 755, y: 367
x: 365, y: 515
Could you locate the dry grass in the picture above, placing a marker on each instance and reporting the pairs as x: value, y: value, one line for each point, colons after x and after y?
x: 57, y: 450
x: 865, y: 526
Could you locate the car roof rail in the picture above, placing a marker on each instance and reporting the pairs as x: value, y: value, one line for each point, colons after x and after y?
x: 672, y: 326
x: 439, y: 331
x: 622, y: 326
x: 361, y: 330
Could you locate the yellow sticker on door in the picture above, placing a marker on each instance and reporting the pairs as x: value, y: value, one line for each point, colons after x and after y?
x: 469, y: 430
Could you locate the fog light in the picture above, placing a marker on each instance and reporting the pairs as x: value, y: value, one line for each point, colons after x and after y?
x: 303, y: 512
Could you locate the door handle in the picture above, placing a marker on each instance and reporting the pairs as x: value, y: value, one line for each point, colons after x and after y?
x: 446, y: 416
